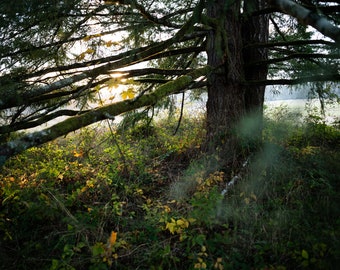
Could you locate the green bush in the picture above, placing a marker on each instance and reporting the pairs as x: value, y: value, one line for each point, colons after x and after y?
x: 131, y: 200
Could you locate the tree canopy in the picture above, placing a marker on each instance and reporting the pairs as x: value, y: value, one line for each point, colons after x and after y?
x: 56, y: 57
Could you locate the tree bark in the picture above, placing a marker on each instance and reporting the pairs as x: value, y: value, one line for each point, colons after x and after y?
x: 229, y: 98
x: 255, y: 30
x: 225, y: 105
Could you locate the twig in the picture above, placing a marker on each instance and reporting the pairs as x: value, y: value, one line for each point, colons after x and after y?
x: 235, y: 179
x: 181, y: 114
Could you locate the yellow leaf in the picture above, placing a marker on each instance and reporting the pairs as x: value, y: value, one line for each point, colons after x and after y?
x: 78, y: 154
x: 170, y: 227
x: 97, y: 88
x: 183, y: 223
x: 113, y: 238
x: 111, y: 43
x: 180, y: 222
x: 80, y: 56
x: 112, y: 83
x: 89, y: 51
x: 87, y: 38
x: 109, y: 2
x: 89, y: 184
x: 139, y: 191
x: 197, y: 266
x: 167, y: 209
x: 128, y: 94
x: 129, y: 81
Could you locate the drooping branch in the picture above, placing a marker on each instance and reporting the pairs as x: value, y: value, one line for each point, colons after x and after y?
x: 15, y: 99
x: 14, y: 147
x: 295, y: 56
x: 75, y: 92
x: 42, y: 120
x: 61, y: 42
x: 293, y: 43
x: 308, y: 17
x: 315, y: 78
x: 10, y: 99
x: 150, y: 17
x: 108, y: 59
x: 117, y: 57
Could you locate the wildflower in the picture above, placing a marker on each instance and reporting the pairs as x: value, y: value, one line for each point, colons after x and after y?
x: 113, y: 238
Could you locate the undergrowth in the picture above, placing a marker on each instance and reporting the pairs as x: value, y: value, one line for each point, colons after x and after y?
x: 109, y: 200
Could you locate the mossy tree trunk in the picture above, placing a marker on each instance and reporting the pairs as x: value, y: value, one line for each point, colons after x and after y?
x: 229, y: 99
x: 255, y: 30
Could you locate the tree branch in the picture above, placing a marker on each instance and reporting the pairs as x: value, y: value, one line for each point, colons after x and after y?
x: 308, y: 17
x: 13, y: 97
x: 293, y: 43
x: 16, y: 99
x: 148, y: 16
x: 40, y: 121
x: 24, y: 142
x: 295, y: 56
x: 301, y: 80
x: 60, y: 42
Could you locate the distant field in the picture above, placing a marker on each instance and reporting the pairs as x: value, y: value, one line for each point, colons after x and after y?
x: 303, y: 107
x: 296, y: 107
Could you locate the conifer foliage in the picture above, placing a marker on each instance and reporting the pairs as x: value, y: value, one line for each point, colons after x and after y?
x: 57, y: 57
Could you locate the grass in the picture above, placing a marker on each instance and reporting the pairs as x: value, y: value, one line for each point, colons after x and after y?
x: 143, y: 198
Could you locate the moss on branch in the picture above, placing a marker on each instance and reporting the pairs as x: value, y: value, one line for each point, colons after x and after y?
x: 26, y: 141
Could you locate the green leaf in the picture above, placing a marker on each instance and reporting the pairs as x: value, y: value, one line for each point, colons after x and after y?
x: 98, y: 249
x: 304, y: 254
x: 55, y: 264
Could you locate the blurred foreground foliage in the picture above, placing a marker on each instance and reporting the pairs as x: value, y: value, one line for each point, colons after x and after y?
x: 144, y: 198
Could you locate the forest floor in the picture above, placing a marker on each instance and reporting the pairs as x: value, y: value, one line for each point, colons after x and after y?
x: 143, y: 198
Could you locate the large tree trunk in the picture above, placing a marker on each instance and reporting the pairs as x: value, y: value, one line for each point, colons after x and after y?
x: 226, y: 103
x: 255, y: 30
x: 229, y: 100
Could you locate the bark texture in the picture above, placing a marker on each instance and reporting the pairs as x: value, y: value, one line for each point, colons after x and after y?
x: 230, y: 53
x: 225, y: 105
x: 255, y: 30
